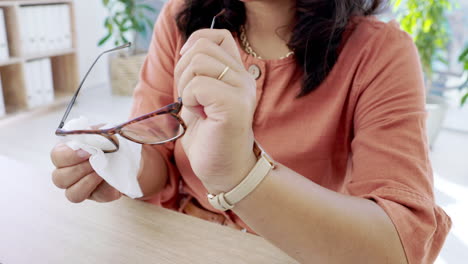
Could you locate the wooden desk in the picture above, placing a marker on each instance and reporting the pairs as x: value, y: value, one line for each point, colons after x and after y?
x: 38, y: 225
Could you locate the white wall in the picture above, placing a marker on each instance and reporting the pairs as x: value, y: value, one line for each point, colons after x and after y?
x: 90, y: 16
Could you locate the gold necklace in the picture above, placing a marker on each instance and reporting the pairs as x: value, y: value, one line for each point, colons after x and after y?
x: 248, y: 49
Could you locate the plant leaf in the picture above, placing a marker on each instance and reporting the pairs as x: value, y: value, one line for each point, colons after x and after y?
x: 104, y: 39
x: 427, y: 25
x: 464, y: 99
x: 147, y: 7
x: 149, y: 23
x: 119, y: 24
x: 124, y: 39
x: 397, y: 3
x: 464, y: 55
x: 143, y: 32
x: 136, y: 25
x: 441, y: 59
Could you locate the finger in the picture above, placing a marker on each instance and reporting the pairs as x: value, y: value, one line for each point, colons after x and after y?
x: 204, y: 65
x: 63, y: 156
x: 217, y: 98
x: 204, y: 46
x: 65, y: 177
x: 220, y: 37
x: 221, y: 103
x: 81, y: 190
x: 105, y: 193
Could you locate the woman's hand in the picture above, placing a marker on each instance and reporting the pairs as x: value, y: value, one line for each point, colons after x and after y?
x: 218, y: 113
x: 74, y: 173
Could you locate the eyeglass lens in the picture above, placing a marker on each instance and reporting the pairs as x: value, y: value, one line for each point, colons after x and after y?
x: 154, y: 130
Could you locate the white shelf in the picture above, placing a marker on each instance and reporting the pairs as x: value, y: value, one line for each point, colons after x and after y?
x: 20, y: 114
x: 10, y: 61
x: 32, y: 2
x: 49, y: 54
x: 64, y: 62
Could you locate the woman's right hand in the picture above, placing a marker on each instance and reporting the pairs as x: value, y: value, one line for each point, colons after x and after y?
x: 74, y: 174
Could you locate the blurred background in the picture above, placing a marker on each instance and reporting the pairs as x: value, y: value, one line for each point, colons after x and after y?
x: 47, y: 47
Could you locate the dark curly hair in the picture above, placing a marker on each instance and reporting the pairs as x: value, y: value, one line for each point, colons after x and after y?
x: 316, y: 37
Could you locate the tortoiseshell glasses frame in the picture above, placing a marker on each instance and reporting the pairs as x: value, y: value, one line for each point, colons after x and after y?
x: 110, y: 133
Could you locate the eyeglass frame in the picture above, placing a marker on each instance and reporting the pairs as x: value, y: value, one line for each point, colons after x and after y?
x: 109, y: 133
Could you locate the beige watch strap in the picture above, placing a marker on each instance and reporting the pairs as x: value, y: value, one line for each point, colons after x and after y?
x: 226, y: 201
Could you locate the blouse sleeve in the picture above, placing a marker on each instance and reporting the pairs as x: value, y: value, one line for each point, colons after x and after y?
x: 390, y: 163
x: 155, y: 90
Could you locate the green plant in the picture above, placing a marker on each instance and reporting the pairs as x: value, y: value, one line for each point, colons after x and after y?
x: 464, y: 60
x: 427, y: 22
x: 126, y: 19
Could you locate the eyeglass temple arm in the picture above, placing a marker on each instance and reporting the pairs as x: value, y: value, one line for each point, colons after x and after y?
x: 214, y: 18
x: 72, y: 102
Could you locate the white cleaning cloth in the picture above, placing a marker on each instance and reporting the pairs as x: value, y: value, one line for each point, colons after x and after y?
x: 119, y: 169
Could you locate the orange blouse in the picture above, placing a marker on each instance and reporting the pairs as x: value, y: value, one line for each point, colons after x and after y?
x: 361, y: 133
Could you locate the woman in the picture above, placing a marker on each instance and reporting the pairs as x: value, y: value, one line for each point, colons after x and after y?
x: 334, y: 96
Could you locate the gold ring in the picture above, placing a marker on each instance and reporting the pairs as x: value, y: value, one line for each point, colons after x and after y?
x: 223, y: 73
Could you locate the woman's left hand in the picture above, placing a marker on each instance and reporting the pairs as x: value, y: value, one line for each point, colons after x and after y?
x: 218, y: 113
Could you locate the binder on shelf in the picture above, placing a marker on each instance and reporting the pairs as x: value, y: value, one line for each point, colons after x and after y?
x: 24, y: 34
x: 57, y: 26
x: 31, y: 98
x: 45, y: 28
x: 2, y: 100
x: 67, y: 26
x: 4, y: 53
x: 39, y: 83
x: 32, y: 30
x: 47, y: 82
x: 49, y: 24
x: 28, y: 29
x: 40, y: 16
x: 37, y: 88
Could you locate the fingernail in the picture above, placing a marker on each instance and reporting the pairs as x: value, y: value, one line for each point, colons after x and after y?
x: 82, y: 154
x: 184, y: 47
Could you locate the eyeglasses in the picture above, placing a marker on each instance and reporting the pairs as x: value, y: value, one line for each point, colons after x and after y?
x: 158, y: 127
